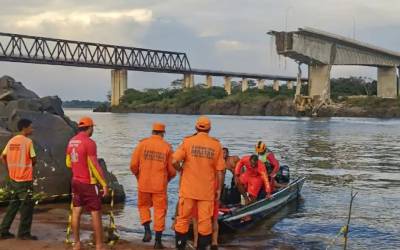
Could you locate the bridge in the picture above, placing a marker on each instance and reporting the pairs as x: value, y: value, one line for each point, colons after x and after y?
x: 321, y: 50
x: 43, y: 50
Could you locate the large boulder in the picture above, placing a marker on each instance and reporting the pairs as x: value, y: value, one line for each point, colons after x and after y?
x: 52, y: 104
x: 52, y: 131
x: 5, y: 135
x: 12, y: 90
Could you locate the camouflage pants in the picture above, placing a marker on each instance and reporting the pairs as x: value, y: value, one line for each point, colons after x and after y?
x: 20, y: 200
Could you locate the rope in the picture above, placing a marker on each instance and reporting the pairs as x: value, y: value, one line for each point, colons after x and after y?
x: 37, y: 197
x: 113, y: 236
x: 67, y: 237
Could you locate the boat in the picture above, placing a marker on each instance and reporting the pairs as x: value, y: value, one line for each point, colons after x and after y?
x: 238, y: 218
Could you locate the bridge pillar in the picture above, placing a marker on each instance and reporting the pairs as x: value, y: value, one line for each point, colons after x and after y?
x: 245, y: 84
x: 228, y: 85
x: 260, y: 84
x: 119, y: 83
x: 209, y: 81
x: 188, y: 81
x: 289, y: 84
x: 191, y: 85
x: 319, y: 83
x: 275, y: 85
x: 387, y: 82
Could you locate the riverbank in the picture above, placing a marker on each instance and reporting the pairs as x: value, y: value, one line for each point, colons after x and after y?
x: 361, y: 106
x: 49, y: 225
x: 351, y: 97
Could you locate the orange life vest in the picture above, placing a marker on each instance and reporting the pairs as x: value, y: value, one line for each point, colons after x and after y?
x: 19, y: 153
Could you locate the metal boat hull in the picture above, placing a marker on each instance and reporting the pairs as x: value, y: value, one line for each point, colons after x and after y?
x: 245, y: 217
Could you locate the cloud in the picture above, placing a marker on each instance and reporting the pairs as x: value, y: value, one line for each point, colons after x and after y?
x: 224, y: 34
x: 230, y: 45
x: 84, y: 18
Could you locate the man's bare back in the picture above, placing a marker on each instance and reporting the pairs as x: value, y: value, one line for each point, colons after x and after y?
x: 230, y: 162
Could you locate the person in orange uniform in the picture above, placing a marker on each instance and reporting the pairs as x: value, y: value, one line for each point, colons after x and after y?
x: 252, y: 179
x: 151, y: 163
x: 86, y: 174
x: 200, y: 159
x: 215, y: 226
x: 230, y: 163
x: 19, y: 157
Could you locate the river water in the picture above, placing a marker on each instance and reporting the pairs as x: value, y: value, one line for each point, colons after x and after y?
x: 336, y: 155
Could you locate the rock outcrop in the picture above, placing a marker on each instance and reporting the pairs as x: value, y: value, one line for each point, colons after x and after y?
x: 52, y: 131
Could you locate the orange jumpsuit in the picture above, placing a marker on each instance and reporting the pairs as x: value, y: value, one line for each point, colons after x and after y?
x: 253, y: 178
x: 151, y: 163
x: 203, y: 157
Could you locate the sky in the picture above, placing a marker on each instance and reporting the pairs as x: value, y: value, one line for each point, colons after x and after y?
x: 215, y: 34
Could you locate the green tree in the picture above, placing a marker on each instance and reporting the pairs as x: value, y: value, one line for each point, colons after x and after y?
x: 177, y: 83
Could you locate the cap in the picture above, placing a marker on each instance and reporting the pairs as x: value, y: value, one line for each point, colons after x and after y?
x: 85, y: 122
x: 203, y: 123
x: 158, y: 126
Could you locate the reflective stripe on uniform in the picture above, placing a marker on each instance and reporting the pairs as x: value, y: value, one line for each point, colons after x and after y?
x: 19, y: 153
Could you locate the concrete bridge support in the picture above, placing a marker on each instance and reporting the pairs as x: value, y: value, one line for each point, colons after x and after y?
x: 319, y: 83
x: 188, y: 81
x: 289, y: 84
x: 209, y: 81
x: 119, y: 84
x: 191, y: 81
x: 260, y: 84
x: 387, y: 82
x: 228, y: 85
x: 245, y: 84
x: 275, y: 85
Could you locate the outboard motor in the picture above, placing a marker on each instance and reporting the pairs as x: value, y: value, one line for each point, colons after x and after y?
x: 283, y: 175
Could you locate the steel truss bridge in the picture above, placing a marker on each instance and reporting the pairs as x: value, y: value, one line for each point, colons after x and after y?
x: 43, y: 50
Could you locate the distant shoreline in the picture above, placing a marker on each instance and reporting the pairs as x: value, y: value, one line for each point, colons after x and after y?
x: 363, y: 107
x: 82, y: 104
x: 350, y: 97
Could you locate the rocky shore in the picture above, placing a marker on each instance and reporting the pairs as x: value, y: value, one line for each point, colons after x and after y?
x: 52, y: 131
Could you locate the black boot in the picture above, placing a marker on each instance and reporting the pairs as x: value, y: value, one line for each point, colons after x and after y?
x: 147, y: 232
x: 6, y: 235
x: 203, y: 242
x: 180, y: 240
x: 158, y: 243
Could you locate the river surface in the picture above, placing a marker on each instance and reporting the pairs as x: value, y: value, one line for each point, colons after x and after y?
x: 336, y: 155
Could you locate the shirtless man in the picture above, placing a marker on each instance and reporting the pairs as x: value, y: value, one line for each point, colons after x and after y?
x: 230, y: 161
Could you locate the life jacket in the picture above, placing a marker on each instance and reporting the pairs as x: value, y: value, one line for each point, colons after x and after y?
x: 264, y: 159
x: 20, y: 152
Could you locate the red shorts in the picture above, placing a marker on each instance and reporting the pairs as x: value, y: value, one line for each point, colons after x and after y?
x: 253, y: 184
x: 215, y: 211
x: 86, y: 196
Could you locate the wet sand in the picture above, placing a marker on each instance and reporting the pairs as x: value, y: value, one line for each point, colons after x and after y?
x: 49, y: 225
